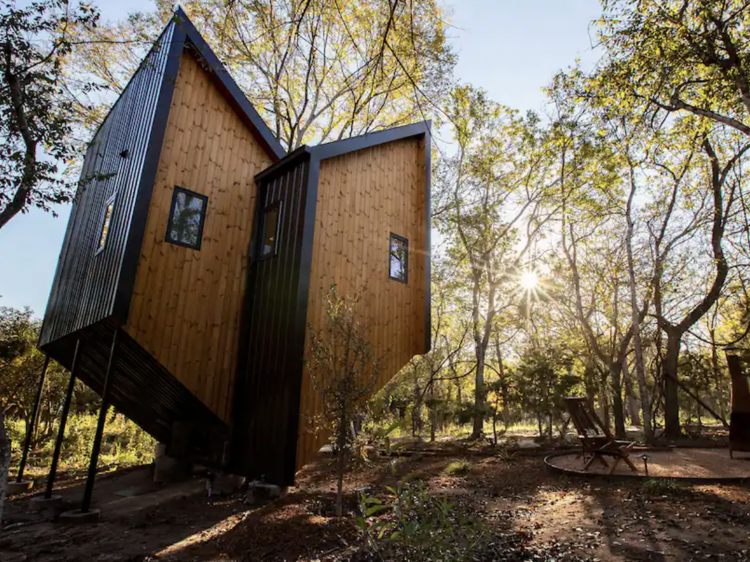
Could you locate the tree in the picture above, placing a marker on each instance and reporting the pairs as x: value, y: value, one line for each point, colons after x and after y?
x: 316, y: 70
x: 344, y: 372
x: 36, y: 113
x: 490, y: 208
x: 680, y: 56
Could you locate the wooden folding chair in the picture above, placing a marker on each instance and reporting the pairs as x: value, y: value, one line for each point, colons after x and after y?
x: 596, y: 438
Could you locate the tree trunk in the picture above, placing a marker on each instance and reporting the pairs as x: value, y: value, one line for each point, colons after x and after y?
x: 618, y: 411
x: 4, y: 463
x: 630, y: 393
x: 671, y: 396
x: 479, y: 397
x: 341, y: 465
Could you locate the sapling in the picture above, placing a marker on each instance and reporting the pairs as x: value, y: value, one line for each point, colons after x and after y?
x: 344, y: 372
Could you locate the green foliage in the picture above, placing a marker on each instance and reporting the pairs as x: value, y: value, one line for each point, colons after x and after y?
x: 664, y: 487
x: 36, y: 110
x: 124, y: 444
x: 460, y: 467
x: 417, y: 526
x: 544, y: 378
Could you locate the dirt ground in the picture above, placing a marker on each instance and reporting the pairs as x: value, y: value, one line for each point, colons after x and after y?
x: 527, y: 512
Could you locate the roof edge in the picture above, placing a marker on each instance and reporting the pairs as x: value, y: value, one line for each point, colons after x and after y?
x: 226, y: 83
x: 369, y: 140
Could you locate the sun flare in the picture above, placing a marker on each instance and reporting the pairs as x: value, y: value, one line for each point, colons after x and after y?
x: 529, y: 280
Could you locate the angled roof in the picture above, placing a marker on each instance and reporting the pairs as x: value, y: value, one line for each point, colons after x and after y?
x: 226, y: 84
x: 337, y: 148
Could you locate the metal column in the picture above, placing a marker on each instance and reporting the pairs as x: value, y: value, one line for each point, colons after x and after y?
x: 34, y: 419
x: 89, y: 490
x: 63, y: 421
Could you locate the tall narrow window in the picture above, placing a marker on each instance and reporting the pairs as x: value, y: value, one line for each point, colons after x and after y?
x: 399, y: 258
x: 186, y: 218
x: 108, y: 210
x: 269, y: 243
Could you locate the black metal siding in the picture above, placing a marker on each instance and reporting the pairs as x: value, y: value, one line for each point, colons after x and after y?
x: 85, y: 284
x: 268, y: 386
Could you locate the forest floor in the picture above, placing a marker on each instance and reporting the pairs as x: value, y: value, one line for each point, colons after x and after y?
x: 525, y: 512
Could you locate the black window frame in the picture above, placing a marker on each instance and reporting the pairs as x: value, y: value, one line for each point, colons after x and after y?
x: 262, y: 235
x: 177, y: 190
x: 99, y: 246
x: 395, y: 236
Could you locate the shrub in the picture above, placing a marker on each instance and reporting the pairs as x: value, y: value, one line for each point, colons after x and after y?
x: 459, y: 468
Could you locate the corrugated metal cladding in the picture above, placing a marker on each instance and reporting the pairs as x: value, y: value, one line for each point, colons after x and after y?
x: 85, y: 284
x: 142, y: 388
x: 267, y: 391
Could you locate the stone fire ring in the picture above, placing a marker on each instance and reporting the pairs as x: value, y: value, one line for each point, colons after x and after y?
x: 699, y: 466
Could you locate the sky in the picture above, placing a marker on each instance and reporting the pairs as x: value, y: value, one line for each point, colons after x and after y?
x: 510, y: 48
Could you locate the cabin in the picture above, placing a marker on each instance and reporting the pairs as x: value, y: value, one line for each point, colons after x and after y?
x: 198, y: 252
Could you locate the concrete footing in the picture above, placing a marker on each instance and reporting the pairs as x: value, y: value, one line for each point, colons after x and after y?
x: 258, y: 492
x: 77, y: 517
x: 14, y: 488
x: 50, y: 506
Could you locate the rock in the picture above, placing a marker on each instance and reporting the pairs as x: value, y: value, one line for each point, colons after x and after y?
x: 261, y: 491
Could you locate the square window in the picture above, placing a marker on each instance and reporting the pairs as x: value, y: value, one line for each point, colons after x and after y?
x: 270, y: 233
x: 108, y: 210
x: 398, y: 258
x: 186, y: 218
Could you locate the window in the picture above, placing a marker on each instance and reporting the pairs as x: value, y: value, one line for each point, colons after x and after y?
x: 108, y: 210
x: 269, y: 243
x: 186, y: 218
x: 399, y: 258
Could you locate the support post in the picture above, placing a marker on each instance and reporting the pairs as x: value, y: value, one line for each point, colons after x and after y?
x: 34, y: 416
x: 89, y: 490
x: 63, y: 421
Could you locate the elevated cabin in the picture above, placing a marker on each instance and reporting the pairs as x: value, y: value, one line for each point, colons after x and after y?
x: 198, y: 252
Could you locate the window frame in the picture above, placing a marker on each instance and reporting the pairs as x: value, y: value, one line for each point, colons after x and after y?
x: 99, y: 246
x: 395, y: 236
x: 264, y: 214
x: 175, y: 192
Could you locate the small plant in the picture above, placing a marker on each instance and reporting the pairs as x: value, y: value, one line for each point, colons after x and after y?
x: 664, y: 487
x: 459, y: 468
x: 419, y: 526
x: 506, y: 455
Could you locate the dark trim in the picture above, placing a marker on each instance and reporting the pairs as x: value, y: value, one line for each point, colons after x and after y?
x: 176, y: 191
x: 307, y: 235
x: 391, y: 237
x: 282, y: 164
x: 63, y: 421
x: 229, y: 87
x: 428, y: 238
x: 133, y: 246
x: 369, y: 140
x: 88, y: 491
x: 108, y: 202
x: 263, y: 218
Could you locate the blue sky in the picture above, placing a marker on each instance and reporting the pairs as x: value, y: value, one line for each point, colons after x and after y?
x: 511, y: 48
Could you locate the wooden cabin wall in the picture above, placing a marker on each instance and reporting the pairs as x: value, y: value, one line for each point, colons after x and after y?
x: 363, y: 197
x: 85, y: 285
x: 187, y: 303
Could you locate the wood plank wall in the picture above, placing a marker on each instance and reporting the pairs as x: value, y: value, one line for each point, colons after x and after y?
x: 363, y: 196
x: 187, y: 303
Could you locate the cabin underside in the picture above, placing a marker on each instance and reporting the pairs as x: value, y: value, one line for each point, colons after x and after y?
x: 142, y: 389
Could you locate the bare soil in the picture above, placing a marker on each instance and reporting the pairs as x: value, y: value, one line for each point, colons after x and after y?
x: 528, y: 513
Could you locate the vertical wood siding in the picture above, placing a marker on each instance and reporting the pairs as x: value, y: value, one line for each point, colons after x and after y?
x: 362, y: 197
x: 268, y: 388
x: 83, y: 291
x: 187, y: 304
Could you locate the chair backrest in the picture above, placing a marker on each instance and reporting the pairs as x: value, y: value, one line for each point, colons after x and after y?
x: 585, y: 420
